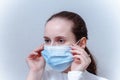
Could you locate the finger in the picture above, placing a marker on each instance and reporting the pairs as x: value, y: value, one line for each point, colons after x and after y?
x: 82, y: 51
x: 83, y: 60
x: 78, y: 59
x: 33, y: 55
x: 74, y: 46
x: 83, y: 63
x: 75, y: 52
x: 40, y: 48
x: 84, y: 57
x: 78, y: 52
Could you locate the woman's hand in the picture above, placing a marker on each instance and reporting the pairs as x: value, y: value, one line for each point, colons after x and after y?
x: 35, y: 61
x: 81, y: 59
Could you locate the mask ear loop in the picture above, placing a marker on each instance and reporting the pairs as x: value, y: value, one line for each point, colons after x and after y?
x: 77, y: 42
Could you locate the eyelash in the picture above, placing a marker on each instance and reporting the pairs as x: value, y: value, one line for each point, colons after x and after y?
x: 61, y: 41
x: 47, y: 40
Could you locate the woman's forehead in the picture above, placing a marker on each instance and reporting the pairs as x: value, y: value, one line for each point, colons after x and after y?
x: 60, y: 21
x: 58, y: 24
x: 58, y: 27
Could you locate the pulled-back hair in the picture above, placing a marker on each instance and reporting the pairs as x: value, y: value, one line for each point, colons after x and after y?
x: 79, y: 30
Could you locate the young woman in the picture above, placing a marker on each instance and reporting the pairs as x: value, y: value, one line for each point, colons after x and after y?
x: 64, y: 51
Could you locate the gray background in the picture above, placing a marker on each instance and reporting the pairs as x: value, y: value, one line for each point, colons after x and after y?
x: 22, y: 24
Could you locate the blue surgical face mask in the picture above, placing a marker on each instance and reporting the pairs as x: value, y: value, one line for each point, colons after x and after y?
x: 58, y: 58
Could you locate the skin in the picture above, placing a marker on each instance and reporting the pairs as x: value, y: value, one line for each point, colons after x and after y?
x: 58, y: 32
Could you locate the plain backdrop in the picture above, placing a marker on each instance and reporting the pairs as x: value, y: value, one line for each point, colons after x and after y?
x: 22, y: 26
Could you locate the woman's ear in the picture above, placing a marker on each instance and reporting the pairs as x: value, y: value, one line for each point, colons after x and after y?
x: 83, y: 42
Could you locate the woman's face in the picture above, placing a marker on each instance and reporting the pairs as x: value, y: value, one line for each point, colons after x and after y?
x: 58, y: 32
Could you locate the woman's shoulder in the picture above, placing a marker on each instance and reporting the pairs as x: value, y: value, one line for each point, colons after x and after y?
x: 91, y: 76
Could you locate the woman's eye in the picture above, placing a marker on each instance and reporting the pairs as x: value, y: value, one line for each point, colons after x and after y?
x: 47, y: 41
x: 61, y: 41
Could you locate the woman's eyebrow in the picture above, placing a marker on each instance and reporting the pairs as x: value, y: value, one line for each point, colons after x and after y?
x: 45, y: 37
x: 61, y: 37
x: 55, y: 37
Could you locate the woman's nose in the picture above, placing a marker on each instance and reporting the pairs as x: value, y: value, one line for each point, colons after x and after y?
x: 53, y: 43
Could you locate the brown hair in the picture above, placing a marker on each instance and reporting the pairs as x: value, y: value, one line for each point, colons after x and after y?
x: 79, y: 29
